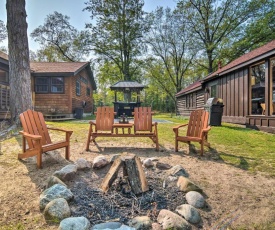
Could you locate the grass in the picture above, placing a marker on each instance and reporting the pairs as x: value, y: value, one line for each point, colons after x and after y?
x: 238, y: 146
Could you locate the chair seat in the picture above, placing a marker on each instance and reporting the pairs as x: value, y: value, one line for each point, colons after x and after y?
x: 186, y: 139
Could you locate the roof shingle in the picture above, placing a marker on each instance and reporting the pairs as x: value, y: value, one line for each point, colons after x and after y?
x: 244, y: 58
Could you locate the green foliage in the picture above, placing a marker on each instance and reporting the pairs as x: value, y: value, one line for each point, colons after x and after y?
x: 3, y: 31
x: 60, y: 41
x: 217, y: 25
x: 117, y: 34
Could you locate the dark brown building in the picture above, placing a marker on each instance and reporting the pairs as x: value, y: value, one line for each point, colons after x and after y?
x: 247, y: 87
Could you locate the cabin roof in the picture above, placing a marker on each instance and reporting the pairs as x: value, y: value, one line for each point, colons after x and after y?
x: 195, y: 86
x: 245, y: 59
x: 4, y: 56
x: 60, y: 68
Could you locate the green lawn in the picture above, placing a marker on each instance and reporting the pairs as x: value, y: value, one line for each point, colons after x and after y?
x: 233, y: 144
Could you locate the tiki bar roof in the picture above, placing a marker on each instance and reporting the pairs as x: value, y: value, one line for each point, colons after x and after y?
x: 127, y: 86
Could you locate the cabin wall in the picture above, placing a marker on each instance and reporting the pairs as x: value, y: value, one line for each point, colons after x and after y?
x: 233, y: 89
x: 189, y: 102
x: 83, y: 100
x: 48, y: 103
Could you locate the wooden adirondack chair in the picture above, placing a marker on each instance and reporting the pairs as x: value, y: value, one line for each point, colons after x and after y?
x: 197, y: 129
x: 143, y: 125
x: 35, y: 132
x: 103, y: 126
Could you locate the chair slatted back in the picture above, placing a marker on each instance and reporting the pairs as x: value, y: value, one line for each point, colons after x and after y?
x: 197, y: 122
x: 104, y: 118
x: 143, y: 119
x: 33, y: 123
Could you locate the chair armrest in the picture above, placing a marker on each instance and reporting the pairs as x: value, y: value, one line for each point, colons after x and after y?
x: 62, y: 130
x: 33, y: 137
x: 92, y: 123
x: 179, y: 126
x: 206, y: 130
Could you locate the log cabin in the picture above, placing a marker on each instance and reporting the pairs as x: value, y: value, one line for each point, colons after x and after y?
x: 246, y: 86
x: 60, y: 90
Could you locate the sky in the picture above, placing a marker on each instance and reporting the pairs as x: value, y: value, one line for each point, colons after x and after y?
x: 37, y: 10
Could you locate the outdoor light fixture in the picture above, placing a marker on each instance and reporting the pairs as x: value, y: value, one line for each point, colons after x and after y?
x: 253, y: 80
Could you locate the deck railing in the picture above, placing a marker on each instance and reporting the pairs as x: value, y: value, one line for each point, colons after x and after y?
x: 4, y: 101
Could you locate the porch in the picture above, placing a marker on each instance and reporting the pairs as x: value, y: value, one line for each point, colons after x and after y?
x: 4, y: 102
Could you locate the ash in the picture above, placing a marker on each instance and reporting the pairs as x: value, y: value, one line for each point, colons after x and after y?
x: 118, y: 205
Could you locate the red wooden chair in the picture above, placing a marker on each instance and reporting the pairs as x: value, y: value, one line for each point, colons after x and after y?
x: 35, y: 133
x: 144, y: 126
x: 103, y: 126
x: 197, y: 129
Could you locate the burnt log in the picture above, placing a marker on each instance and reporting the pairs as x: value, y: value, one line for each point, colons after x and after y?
x: 111, y: 175
x: 132, y: 170
x: 136, y: 175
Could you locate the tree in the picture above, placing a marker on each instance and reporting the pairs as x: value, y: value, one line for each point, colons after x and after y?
x: 19, y: 64
x: 60, y: 41
x: 3, y: 31
x: 172, y: 51
x: 217, y: 24
x: 258, y: 32
x: 116, y: 37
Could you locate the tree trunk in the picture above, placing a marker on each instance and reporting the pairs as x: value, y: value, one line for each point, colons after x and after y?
x: 19, y: 63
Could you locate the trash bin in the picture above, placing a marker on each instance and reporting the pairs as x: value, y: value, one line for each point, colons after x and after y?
x: 78, y: 113
x: 215, y: 108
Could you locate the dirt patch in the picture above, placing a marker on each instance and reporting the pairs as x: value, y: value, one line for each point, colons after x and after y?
x: 232, y: 195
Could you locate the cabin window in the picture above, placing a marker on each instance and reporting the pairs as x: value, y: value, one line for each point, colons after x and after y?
x: 88, y: 91
x: 191, y: 101
x: 49, y: 85
x: 57, y: 85
x: 257, y: 82
x: 77, y: 88
x: 213, y: 90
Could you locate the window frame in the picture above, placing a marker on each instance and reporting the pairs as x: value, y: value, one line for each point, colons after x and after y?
x: 49, y: 84
x: 78, y: 88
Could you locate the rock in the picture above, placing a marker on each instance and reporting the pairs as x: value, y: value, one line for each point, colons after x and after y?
x: 186, y: 185
x: 57, y: 210
x: 111, y: 226
x: 156, y: 226
x: 54, y: 180
x: 170, y: 220
x: 82, y: 163
x: 148, y: 163
x: 140, y: 223
x: 66, y: 173
x: 100, y: 162
x: 54, y: 192
x: 75, y: 223
x: 171, y: 178
x: 153, y: 158
x: 177, y: 171
x: 114, y: 157
x: 163, y: 166
x: 195, y: 199
x: 189, y: 213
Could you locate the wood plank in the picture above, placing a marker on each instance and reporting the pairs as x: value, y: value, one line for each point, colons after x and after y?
x: 111, y: 175
x: 136, y: 175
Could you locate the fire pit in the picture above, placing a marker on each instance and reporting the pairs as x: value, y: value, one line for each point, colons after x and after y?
x: 119, y: 203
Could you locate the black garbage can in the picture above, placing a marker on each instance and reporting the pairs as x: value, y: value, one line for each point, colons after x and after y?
x: 215, y: 108
x: 78, y: 113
